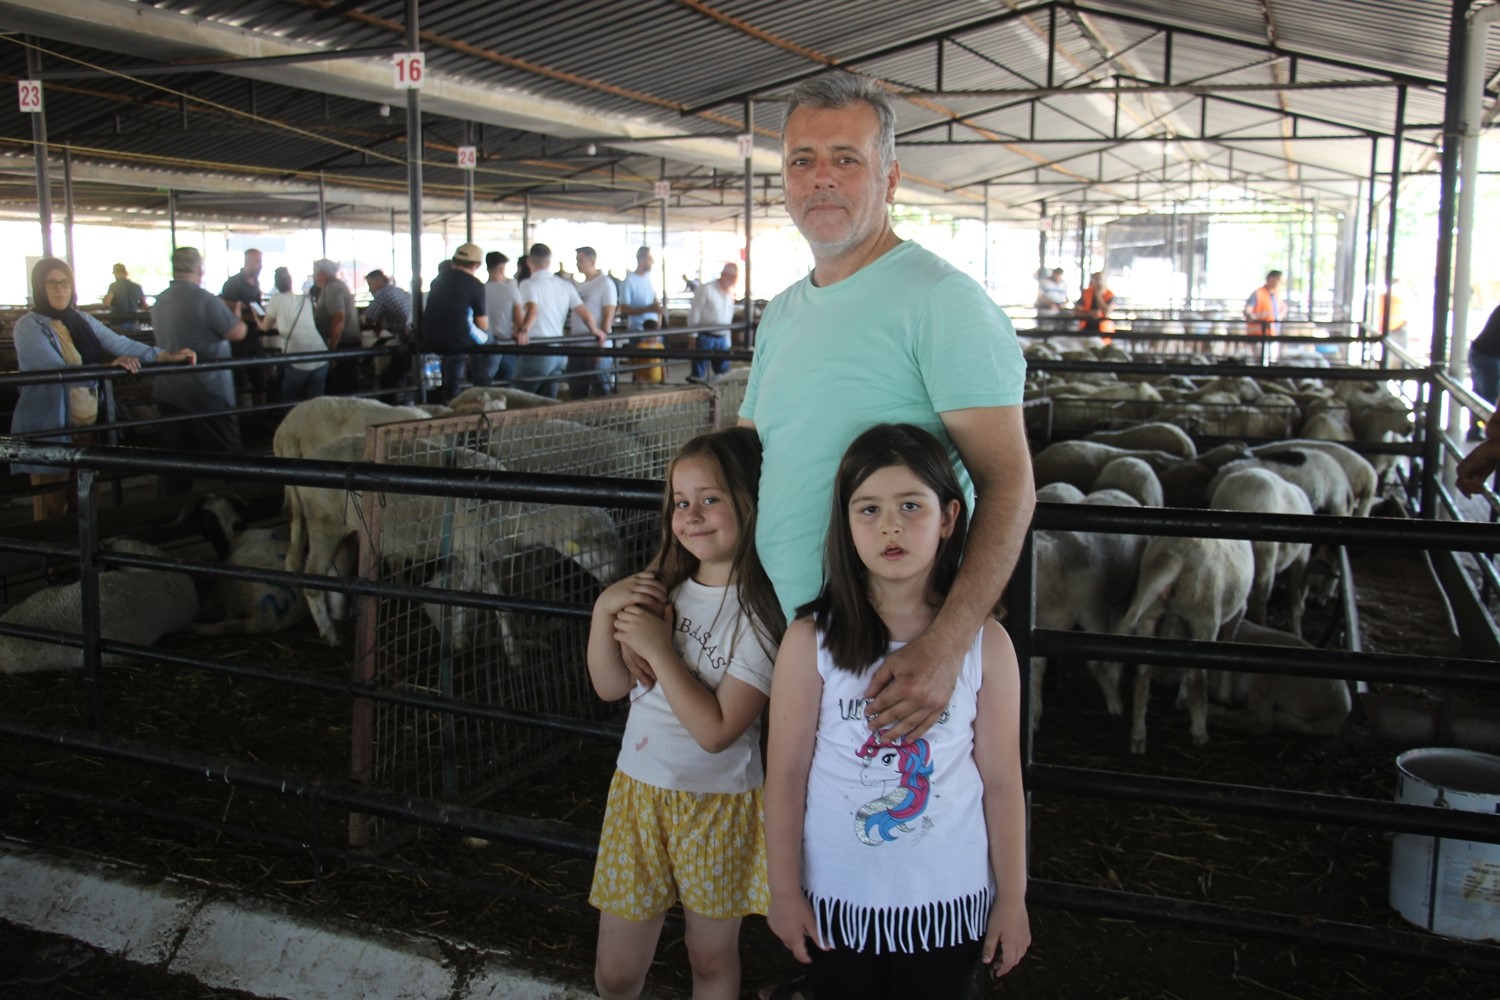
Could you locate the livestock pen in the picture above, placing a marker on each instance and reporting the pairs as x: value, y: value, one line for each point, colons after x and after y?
x: 151, y: 763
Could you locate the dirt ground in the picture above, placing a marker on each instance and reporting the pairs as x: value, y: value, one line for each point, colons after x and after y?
x: 533, y: 905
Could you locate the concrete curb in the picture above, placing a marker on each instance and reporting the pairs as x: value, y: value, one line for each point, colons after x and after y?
x: 235, y: 942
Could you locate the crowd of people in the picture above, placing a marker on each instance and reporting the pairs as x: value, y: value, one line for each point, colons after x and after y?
x: 461, y: 313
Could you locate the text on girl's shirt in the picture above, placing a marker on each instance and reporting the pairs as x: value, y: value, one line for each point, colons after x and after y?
x: 706, y: 642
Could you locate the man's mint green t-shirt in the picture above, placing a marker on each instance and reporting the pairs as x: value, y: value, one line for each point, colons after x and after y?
x: 902, y: 340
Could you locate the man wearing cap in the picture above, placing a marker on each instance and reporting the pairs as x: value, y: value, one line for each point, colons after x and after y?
x: 454, y: 302
x: 187, y: 315
x: 547, y: 300
x: 598, y: 292
x: 338, y: 322
x: 503, y: 299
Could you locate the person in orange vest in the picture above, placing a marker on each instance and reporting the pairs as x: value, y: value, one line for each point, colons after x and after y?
x: 1094, y: 304
x: 1265, y: 308
x: 1397, y: 333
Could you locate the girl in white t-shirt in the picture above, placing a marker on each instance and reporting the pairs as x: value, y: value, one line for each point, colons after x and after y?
x: 684, y: 816
x: 902, y: 861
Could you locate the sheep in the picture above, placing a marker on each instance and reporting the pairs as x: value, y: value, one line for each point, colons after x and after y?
x: 1329, y: 424
x: 1059, y: 493
x: 1155, y: 436
x: 244, y: 607
x: 482, y: 399
x: 1320, y: 477
x: 1185, y: 483
x: 479, y: 533
x: 1259, y: 703
x: 1258, y: 491
x: 315, y: 422
x: 135, y: 605
x: 1187, y: 588
x: 1133, y: 477
x: 1080, y: 462
x: 1082, y: 580
x: 567, y: 446
x: 1358, y: 471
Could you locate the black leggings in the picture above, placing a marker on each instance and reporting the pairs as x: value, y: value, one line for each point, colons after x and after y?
x: 945, y: 973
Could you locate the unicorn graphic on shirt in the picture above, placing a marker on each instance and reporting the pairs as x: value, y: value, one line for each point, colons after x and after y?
x: 909, y: 765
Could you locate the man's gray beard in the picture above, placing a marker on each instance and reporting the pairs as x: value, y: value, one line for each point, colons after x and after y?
x: 833, y: 249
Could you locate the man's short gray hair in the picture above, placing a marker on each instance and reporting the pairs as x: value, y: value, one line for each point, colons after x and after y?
x: 186, y: 260
x: 839, y: 90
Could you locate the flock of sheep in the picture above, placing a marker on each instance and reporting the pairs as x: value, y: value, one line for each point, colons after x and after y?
x: 444, y: 543
x: 1204, y: 588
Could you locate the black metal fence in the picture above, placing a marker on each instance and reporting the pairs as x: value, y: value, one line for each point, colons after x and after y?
x: 99, y: 741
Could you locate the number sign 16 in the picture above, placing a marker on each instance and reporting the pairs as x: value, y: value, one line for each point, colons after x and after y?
x: 408, y: 68
x: 29, y: 94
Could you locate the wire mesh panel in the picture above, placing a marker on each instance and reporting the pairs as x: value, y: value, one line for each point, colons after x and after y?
x: 528, y: 663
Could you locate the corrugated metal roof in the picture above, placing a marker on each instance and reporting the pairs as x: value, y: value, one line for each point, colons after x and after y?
x: 648, y: 61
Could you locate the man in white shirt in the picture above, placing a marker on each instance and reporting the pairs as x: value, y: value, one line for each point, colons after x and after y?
x: 503, y: 298
x: 713, y: 304
x: 643, y: 311
x: 599, y: 294
x: 547, y: 300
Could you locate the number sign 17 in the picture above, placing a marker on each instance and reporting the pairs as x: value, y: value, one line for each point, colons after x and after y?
x: 29, y: 95
x: 408, y: 68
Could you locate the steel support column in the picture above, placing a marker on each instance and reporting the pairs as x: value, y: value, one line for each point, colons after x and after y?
x: 323, y: 211
x: 172, y: 216
x: 68, y: 207
x: 469, y: 186
x: 986, y: 238
x: 1432, y: 454
x: 39, y: 139
x: 662, y: 258
x: 414, y: 170
x: 749, y: 212
x: 1370, y: 233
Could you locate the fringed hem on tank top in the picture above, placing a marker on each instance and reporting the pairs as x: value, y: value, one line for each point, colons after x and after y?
x: 903, y: 929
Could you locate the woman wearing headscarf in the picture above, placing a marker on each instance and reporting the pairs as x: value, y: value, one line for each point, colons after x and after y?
x: 55, y: 334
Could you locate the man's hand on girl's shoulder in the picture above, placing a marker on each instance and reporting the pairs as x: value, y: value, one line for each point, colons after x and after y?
x: 912, y: 688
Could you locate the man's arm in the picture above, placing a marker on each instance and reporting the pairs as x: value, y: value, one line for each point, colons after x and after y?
x: 913, y: 687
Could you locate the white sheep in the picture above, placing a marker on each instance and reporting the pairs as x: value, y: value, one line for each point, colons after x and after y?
x: 1080, y: 462
x: 314, y: 422
x: 488, y: 398
x: 1259, y: 703
x: 480, y: 533
x: 1318, y: 475
x: 1083, y: 579
x: 1058, y: 493
x: 135, y: 605
x: 1361, y: 475
x: 1187, y: 588
x: 1133, y: 477
x: 1257, y: 491
x: 244, y: 607
x: 1154, y: 436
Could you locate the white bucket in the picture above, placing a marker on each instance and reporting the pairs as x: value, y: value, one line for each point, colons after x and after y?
x: 1450, y: 887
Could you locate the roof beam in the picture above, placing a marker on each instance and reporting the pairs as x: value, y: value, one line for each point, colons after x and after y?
x: 221, y: 65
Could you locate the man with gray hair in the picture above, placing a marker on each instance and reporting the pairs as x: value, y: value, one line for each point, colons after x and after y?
x: 187, y: 315
x: 338, y: 322
x: 881, y: 331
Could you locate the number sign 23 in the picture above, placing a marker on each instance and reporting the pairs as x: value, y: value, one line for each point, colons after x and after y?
x: 29, y: 94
